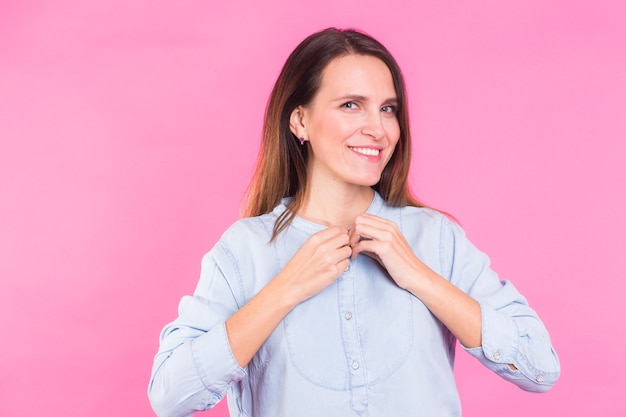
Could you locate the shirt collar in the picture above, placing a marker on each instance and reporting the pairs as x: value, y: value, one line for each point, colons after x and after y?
x: 311, y: 227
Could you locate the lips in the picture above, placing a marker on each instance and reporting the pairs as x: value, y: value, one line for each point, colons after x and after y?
x: 366, y: 151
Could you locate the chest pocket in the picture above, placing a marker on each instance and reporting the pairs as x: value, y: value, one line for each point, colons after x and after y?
x: 357, y: 331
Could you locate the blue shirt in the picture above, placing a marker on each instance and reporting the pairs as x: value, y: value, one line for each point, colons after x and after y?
x: 361, y: 347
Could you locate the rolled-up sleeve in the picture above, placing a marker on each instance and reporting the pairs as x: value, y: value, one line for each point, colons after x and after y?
x: 194, y: 366
x: 512, y: 332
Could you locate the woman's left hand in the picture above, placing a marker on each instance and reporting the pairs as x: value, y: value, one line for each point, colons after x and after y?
x: 382, y: 240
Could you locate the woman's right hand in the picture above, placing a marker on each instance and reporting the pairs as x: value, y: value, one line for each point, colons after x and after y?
x: 317, y: 264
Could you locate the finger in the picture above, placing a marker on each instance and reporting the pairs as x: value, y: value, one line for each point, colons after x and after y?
x: 368, y: 248
x: 376, y: 222
x: 338, y: 241
x: 372, y: 219
x: 335, y: 249
x: 343, y: 265
x: 365, y: 231
x: 331, y: 231
x: 354, y: 236
x: 345, y: 255
x: 362, y: 246
x: 324, y: 236
x: 369, y: 219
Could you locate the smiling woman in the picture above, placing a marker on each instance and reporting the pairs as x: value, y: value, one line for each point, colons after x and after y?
x: 340, y: 294
x: 352, y: 129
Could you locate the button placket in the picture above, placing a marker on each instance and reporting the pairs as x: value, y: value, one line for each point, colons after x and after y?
x: 350, y: 332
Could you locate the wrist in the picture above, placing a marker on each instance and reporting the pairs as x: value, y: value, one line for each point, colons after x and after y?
x: 282, y: 294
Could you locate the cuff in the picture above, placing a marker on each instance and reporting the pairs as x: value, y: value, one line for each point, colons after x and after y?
x: 215, y: 362
x: 501, y: 347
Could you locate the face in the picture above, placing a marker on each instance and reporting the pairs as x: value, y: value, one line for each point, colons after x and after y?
x: 351, y: 124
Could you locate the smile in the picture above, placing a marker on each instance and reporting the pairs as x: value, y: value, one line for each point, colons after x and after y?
x: 366, y: 151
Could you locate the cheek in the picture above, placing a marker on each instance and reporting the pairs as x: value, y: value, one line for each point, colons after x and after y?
x: 337, y: 127
x: 393, y: 131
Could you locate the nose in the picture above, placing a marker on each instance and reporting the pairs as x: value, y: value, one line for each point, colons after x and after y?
x: 373, y: 126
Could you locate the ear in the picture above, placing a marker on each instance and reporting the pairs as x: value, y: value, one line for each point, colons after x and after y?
x: 296, y: 123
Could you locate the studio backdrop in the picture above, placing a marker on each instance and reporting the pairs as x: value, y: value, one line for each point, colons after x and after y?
x: 129, y: 132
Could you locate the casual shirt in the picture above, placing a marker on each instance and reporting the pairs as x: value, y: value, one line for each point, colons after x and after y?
x: 361, y: 347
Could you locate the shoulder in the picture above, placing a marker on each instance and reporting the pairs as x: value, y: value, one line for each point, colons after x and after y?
x: 241, y: 250
x: 411, y: 217
x: 426, y: 225
x: 245, y: 257
x: 249, y: 231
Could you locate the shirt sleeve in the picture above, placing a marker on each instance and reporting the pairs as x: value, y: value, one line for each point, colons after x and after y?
x: 512, y: 332
x: 194, y: 366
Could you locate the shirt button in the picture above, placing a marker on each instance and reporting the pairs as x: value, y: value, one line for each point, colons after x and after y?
x: 539, y: 378
x: 497, y: 356
x: 347, y: 268
x: 348, y: 315
x: 355, y: 365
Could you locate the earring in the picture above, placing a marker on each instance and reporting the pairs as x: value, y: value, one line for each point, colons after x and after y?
x: 302, y: 140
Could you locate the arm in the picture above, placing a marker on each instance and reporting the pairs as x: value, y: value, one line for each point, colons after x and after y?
x: 205, y: 350
x: 194, y: 365
x: 319, y: 262
x: 512, y: 332
x: 490, y: 319
x: 382, y: 239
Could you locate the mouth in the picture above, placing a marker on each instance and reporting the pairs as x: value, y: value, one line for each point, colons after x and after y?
x: 366, y: 151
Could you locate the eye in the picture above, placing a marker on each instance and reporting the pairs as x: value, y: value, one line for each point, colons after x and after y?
x: 350, y: 105
x: 388, y: 109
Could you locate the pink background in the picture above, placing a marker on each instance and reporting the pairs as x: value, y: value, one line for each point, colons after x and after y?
x: 128, y: 132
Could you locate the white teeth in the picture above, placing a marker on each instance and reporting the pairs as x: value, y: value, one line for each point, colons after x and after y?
x: 367, y: 151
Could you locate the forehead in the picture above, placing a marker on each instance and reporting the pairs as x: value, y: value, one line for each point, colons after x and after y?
x: 357, y: 74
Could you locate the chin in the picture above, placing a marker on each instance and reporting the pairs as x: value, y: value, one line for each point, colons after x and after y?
x: 367, y: 182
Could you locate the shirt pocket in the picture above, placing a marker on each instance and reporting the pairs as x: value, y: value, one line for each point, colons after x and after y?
x: 386, y: 318
x: 314, y: 341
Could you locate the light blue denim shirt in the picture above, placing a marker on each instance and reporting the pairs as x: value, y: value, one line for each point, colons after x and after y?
x: 361, y: 347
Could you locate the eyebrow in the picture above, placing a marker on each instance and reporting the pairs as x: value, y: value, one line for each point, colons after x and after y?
x: 357, y: 97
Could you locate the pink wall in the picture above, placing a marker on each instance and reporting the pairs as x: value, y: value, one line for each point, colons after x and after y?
x: 128, y: 133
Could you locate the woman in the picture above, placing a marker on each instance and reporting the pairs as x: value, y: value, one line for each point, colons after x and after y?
x: 340, y: 294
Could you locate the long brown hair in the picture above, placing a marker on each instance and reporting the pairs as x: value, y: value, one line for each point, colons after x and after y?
x: 281, y: 167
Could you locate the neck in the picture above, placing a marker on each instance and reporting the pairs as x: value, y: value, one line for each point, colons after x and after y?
x: 333, y: 207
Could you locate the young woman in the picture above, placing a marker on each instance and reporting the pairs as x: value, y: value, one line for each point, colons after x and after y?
x: 340, y: 294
